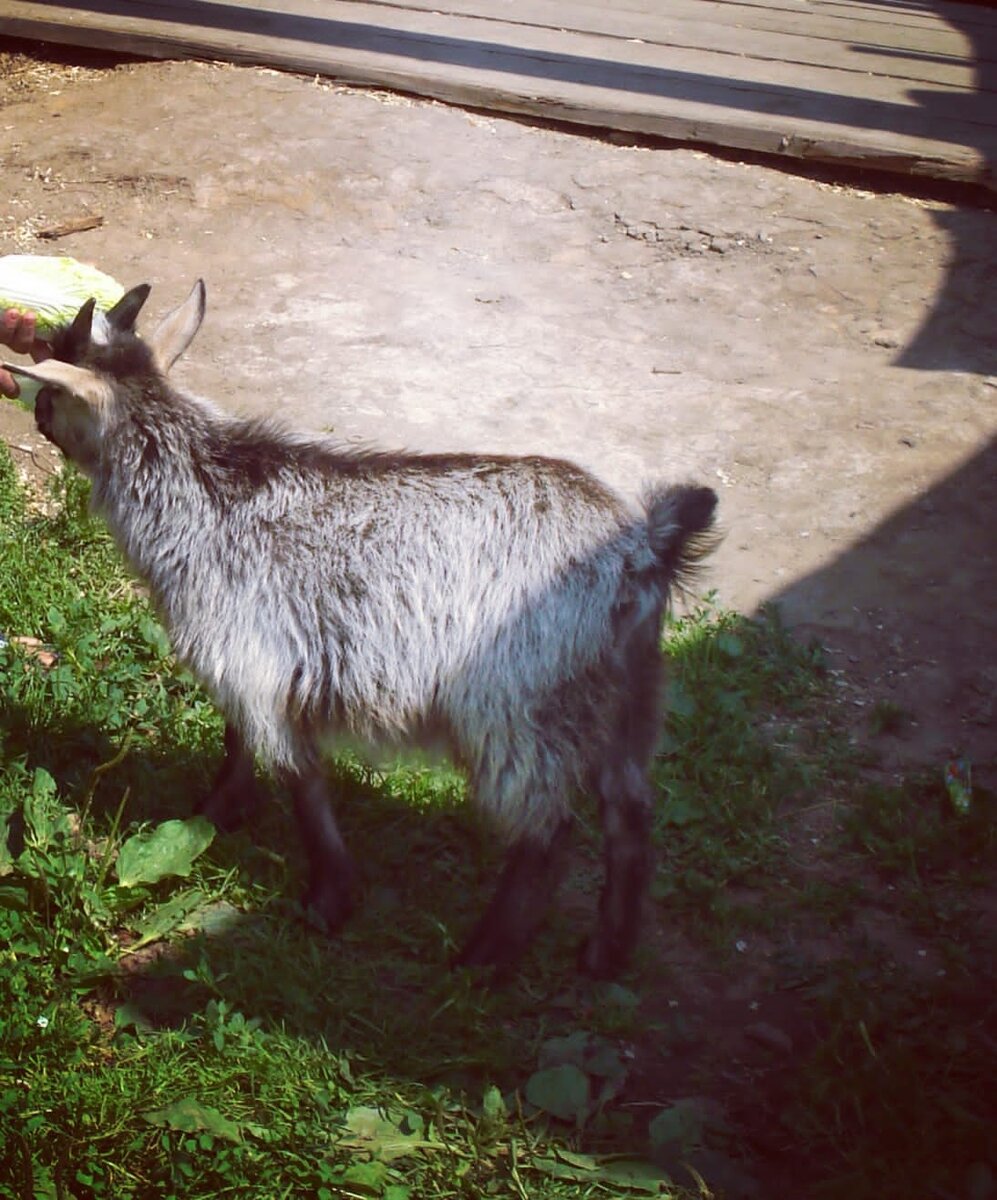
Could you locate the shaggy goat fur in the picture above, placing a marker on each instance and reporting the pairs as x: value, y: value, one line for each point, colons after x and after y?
x: 511, y: 606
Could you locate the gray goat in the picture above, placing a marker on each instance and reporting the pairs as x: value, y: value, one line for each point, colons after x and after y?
x: 510, y: 606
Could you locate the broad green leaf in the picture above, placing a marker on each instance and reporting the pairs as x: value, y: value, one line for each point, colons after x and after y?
x: 730, y: 644
x: 584, y: 1162
x: 572, y: 1048
x: 85, y: 970
x: 493, y: 1106
x: 368, y: 1177
x: 170, y: 849
x: 15, y: 898
x: 130, y: 1016
x: 42, y: 784
x: 154, y: 636
x: 6, y: 858
x: 44, y: 817
x: 561, y: 1091
x: 595, y: 1056
x: 215, y: 918
x: 605, y: 1060
x: 381, y: 1136
x: 191, y: 1116
x: 265, y: 1133
x: 679, y: 1126
x: 165, y: 918
x: 564, y: 1170
x: 634, y: 1176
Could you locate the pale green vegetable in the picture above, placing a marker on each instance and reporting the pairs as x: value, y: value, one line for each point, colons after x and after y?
x: 53, y: 288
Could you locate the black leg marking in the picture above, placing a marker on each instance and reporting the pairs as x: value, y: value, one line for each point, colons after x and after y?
x: 626, y: 822
x: 235, y: 794
x: 525, y: 889
x: 331, y: 876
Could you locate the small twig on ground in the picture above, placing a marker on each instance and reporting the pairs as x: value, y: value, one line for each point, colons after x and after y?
x: 76, y: 225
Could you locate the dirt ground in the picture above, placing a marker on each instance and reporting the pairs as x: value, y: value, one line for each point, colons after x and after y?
x: 404, y: 273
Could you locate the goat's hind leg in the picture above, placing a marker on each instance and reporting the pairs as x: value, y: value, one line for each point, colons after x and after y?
x: 625, y: 799
x: 236, y: 793
x: 525, y: 889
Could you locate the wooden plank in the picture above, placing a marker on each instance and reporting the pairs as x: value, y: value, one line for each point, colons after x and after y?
x: 927, y: 57
x: 698, y: 22
x: 881, y: 12
x: 939, y: 56
x: 846, y: 24
x: 701, y: 94
x: 534, y: 51
x: 912, y: 15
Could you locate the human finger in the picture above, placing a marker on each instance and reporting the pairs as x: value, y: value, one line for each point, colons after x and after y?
x: 18, y: 330
x: 8, y: 385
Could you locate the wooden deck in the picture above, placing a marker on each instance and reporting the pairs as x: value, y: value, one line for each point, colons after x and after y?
x: 902, y: 85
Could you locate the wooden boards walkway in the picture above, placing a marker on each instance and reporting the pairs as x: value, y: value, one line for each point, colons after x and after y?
x: 901, y: 85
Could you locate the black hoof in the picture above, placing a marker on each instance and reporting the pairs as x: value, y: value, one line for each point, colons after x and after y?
x: 491, y: 947
x: 225, y: 817
x: 328, y: 906
x: 601, y: 959
x: 473, y: 955
x: 229, y: 809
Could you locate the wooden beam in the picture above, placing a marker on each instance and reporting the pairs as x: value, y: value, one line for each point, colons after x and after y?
x: 838, y: 82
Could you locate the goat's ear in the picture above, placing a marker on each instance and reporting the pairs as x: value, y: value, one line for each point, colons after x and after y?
x: 77, y: 338
x: 177, y: 329
x: 91, y: 388
x: 125, y: 313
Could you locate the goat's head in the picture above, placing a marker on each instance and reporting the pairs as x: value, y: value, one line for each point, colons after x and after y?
x: 100, y: 364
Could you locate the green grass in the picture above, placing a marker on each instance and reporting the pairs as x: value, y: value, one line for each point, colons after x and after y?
x: 736, y: 752
x: 171, y: 1026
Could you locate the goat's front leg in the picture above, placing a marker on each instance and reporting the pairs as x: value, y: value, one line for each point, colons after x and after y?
x: 235, y: 794
x: 331, y: 875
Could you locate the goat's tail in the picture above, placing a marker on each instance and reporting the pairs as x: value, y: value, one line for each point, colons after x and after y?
x: 681, y: 531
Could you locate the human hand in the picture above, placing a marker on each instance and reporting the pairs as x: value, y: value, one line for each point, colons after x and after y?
x: 17, y: 330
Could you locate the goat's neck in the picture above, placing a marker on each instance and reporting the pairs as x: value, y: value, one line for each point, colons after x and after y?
x: 154, y: 492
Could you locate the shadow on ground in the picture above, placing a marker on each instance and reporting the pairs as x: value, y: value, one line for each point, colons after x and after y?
x: 957, y: 335
x: 910, y: 606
